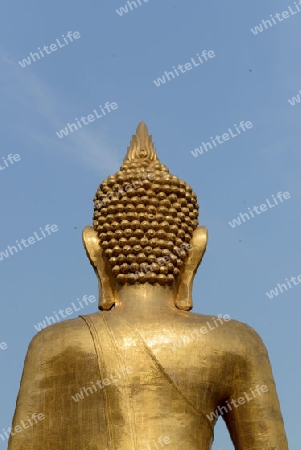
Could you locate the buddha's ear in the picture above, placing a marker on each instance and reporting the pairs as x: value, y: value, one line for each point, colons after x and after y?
x: 107, y: 292
x: 185, y: 279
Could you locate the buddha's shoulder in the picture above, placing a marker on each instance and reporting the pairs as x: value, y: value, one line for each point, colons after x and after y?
x: 230, y: 333
x: 60, y: 336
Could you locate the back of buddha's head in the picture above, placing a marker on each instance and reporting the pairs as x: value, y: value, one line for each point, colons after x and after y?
x: 145, y: 217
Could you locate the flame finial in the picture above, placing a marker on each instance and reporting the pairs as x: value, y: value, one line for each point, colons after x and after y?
x: 141, y: 146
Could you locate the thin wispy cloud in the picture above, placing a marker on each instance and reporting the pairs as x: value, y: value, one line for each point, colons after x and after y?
x: 37, y: 111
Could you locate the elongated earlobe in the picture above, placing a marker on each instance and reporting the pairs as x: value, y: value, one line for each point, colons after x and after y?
x: 185, y: 280
x: 106, y: 283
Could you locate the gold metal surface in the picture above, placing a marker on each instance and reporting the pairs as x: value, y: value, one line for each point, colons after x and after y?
x: 145, y: 373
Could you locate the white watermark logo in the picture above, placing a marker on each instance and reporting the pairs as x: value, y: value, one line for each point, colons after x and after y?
x: 124, y: 9
x: 269, y: 23
x: 259, y: 209
x: 183, y: 68
x: 12, y: 250
x: 9, y: 160
x: 153, y: 445
x: 275, y: 292
x: 24, y: 424
x: 53, y: 48
x: 240, y: 400
x: 101, y: 383
x: 293, y: 101
x: 205, y: 146
x: 200, y: 332
x: 3, y: 345
x: 120, y: 192
x: 86, y: 119
x: 162, y: 261
x: 68, y: 311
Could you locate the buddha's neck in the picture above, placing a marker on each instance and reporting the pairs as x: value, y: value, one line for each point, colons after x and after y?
x: 143, y: 298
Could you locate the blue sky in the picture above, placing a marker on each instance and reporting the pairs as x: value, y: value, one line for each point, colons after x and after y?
x: 116, y: 59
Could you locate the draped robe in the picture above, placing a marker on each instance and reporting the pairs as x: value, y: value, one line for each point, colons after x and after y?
x: 102, y: 386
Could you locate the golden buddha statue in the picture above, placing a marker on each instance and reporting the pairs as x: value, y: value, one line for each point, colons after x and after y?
x: 119, y: 379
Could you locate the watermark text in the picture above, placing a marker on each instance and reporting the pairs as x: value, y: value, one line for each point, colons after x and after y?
x: 9, y: 160
x: 259, y: 209
x: 269, y: 23
x: 101, y: 383
x: 12, y: 250
x: 221, y: 410
x: 33, y: 57
x: 183, y: 68
x: 205, y: 146
x: 109, y: 106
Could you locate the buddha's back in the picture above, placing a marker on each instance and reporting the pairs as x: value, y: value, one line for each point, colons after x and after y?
x: 111, y: 389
